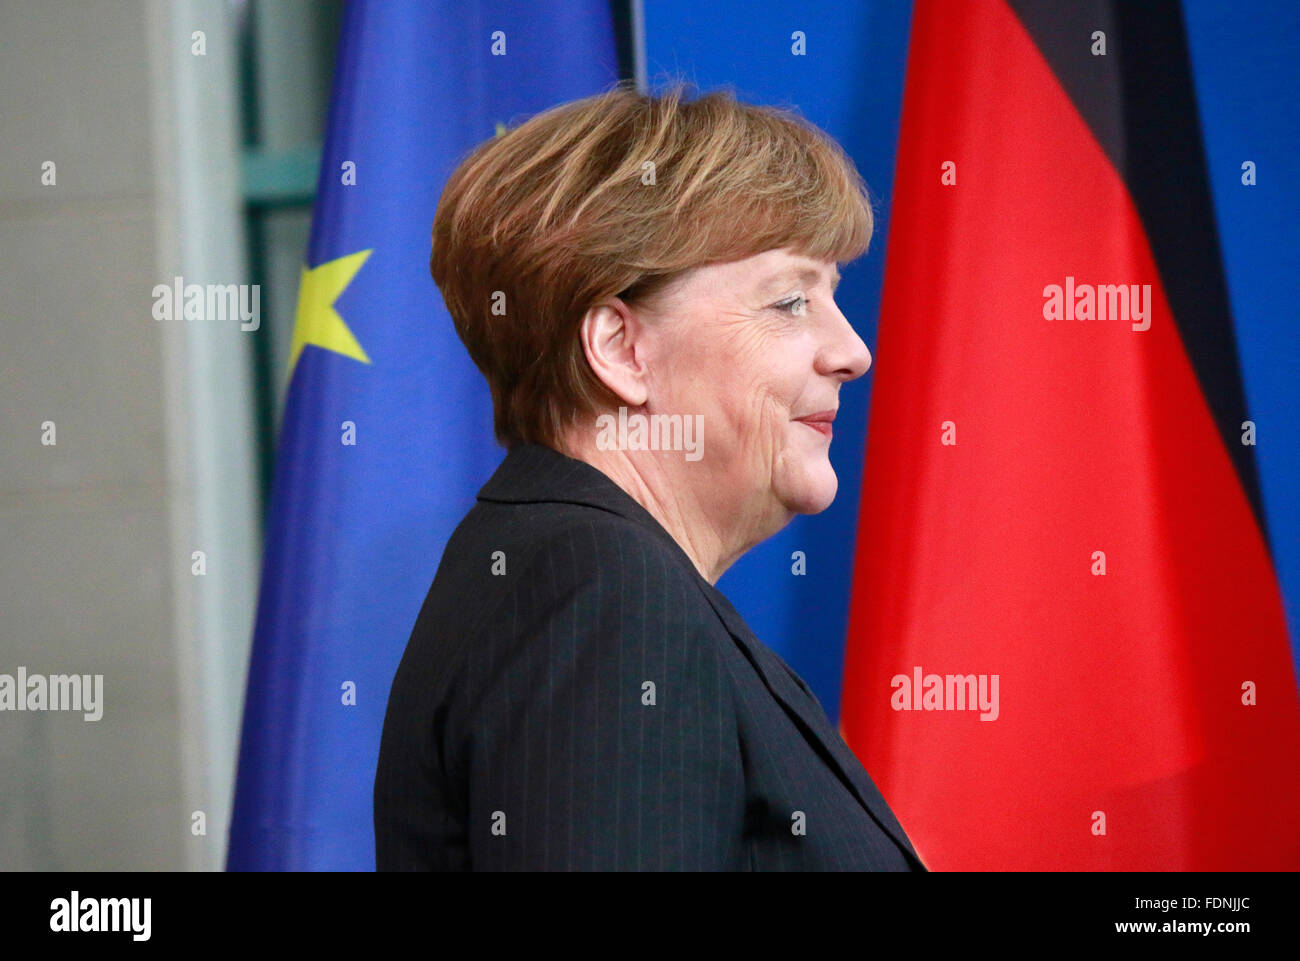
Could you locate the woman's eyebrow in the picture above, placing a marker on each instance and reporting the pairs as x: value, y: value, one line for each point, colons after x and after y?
x: 808, y: 275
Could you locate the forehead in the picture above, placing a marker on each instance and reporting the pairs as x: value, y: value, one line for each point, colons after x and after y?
x: 752, y: 278
x: 775, y: 268
x: 768, y: 270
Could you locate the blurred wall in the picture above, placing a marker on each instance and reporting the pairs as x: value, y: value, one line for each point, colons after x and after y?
x: 152, y: 457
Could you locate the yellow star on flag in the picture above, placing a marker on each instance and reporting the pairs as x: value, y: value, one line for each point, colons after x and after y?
x: 317, y: 322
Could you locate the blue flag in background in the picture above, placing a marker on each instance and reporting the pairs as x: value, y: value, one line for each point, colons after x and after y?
x: 387, y: 429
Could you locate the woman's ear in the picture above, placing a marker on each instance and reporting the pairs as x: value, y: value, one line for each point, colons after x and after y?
x: 613, y: 339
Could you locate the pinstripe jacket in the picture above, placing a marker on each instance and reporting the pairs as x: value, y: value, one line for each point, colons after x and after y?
x: 575, y: 696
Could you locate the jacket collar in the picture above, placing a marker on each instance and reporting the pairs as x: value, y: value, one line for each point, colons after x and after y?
x: 532, y: 474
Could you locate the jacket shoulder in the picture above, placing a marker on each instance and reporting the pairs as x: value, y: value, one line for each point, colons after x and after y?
x: 575, y: 542
x: 513, y: 572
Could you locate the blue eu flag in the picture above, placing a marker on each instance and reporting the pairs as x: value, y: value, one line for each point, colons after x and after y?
x: 387, y: 428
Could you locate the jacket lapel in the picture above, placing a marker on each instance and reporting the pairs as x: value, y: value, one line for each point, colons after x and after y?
x: 795, y: 697
x: 532, y: 473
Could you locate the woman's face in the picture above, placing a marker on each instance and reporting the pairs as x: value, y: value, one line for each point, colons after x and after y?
x: 759, y: 348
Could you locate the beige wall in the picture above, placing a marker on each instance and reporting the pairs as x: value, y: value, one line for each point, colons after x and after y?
x: 154, y: 446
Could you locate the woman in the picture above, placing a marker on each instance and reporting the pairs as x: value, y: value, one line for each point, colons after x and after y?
x: 646, y: 284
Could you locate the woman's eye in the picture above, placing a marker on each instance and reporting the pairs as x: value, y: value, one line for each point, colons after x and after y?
x: 795, y: 306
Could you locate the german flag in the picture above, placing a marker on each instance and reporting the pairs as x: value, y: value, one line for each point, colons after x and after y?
x: 1067, y: 648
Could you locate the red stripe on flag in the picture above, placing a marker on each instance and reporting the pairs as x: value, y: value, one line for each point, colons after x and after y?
x: 1119, y: 694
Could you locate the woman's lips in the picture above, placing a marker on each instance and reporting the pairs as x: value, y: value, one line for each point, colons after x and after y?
x: 820, y: 422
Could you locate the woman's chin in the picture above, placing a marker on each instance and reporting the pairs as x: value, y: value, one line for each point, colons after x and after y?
x: 811, y: 487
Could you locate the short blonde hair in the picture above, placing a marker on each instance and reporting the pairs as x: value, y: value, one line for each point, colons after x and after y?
x: 618, y: 195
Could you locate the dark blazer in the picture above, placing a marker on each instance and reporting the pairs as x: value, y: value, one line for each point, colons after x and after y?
x: 575, y: 696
